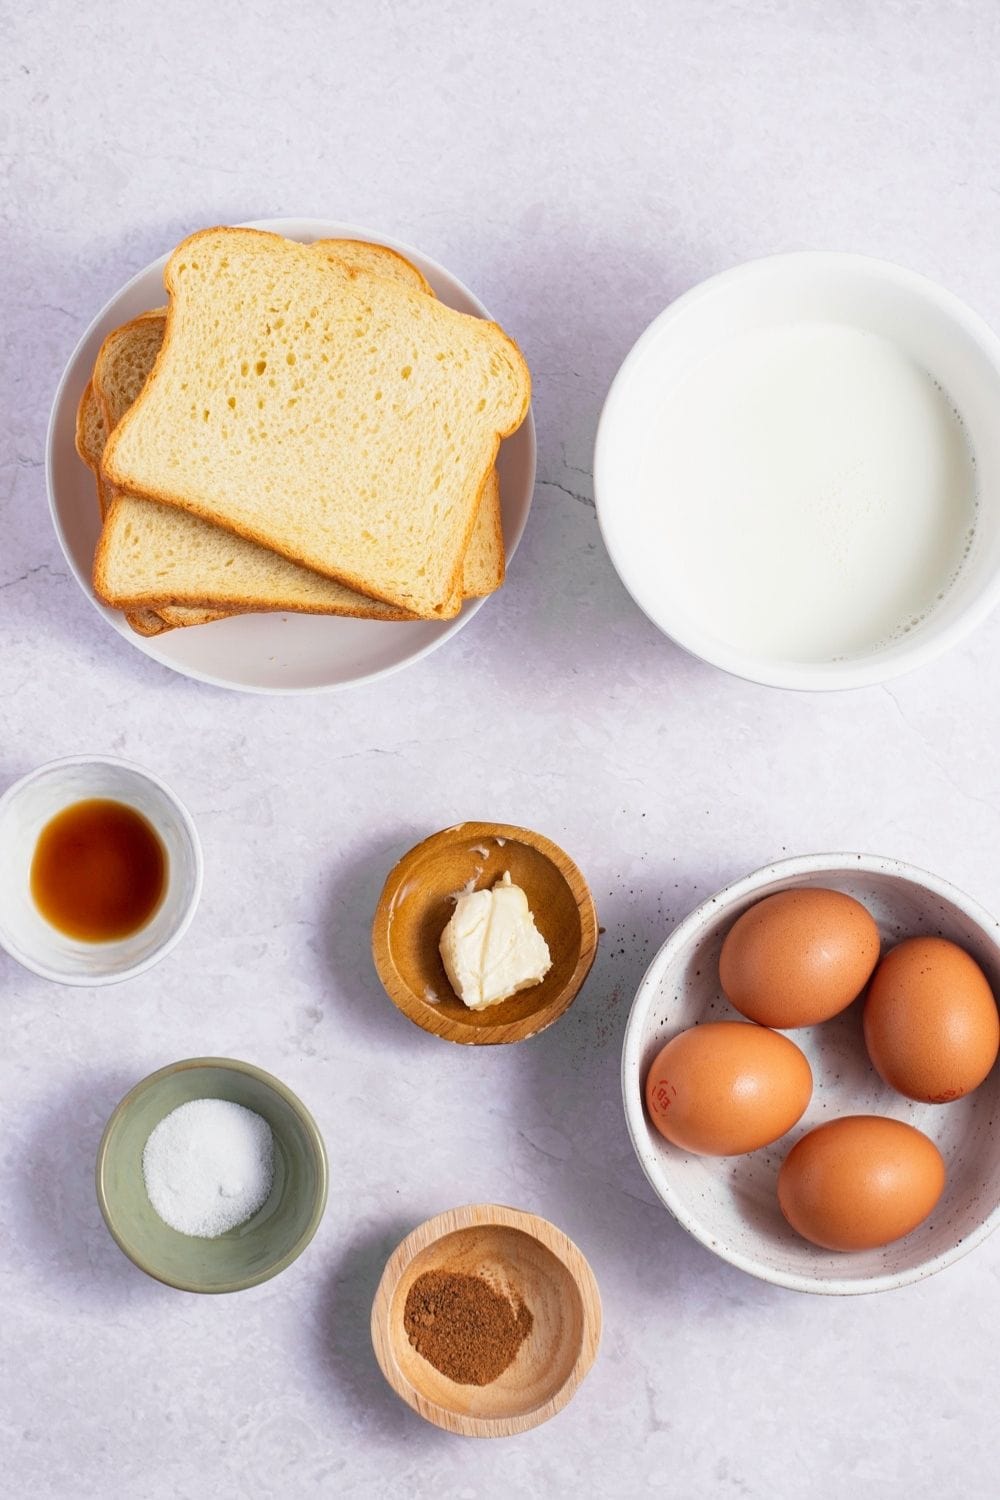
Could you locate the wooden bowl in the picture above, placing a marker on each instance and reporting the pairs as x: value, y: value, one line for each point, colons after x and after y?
x: 532, y: 1258
x: 416, y: 905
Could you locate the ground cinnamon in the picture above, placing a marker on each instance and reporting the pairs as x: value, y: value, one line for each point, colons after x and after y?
x: 464, y: 1327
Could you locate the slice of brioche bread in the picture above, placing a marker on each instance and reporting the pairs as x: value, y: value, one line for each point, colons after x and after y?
x: 350, y: 423
x: 124, y: 362
x: 150, y: 554
x: 144, y: 555
x: 196, y: 554
x: 91, y: 433
x: 141, y: 558
x: 485, y: 561
x: 154, y: 553
x: 201, y: 558
x: 90, y: 429
x: 143, y: 534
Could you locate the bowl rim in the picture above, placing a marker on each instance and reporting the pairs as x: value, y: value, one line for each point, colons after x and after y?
x: 305, y: 229
x: 857, y: 672
x: 834, y: 864
x: 472, y: 1216
x: 458, y: 1029
x: 312, y: 1131
x: 185, y: 918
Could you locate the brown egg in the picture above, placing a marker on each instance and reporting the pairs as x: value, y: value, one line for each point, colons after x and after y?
x: 931, y: 1023
x: 798, y: 957
x: 860, y: 1182
x: 726, y: 1087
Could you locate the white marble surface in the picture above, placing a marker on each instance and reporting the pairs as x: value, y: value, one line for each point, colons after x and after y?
x: 578, y: 172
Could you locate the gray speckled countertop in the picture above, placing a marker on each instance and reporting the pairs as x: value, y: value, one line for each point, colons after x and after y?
x: 578, y: 174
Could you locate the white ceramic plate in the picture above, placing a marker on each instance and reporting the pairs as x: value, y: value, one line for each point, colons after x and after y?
x: 730, y: 1203
x: 266, y: 653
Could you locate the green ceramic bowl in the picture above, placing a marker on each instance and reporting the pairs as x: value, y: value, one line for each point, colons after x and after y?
x: 255, y: 1251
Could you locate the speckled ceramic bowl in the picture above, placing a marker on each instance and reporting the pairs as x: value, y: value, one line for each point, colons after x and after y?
x: 253, y: 1252
x: 730, y: 1203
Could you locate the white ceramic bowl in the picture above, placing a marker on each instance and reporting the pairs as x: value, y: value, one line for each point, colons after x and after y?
x: 265, y: 653
x: 929, y: 324
x: 28, y: 805
x: 730, y: 1203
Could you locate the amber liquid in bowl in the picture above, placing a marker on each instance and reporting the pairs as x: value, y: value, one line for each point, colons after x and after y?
x: 99, y: 871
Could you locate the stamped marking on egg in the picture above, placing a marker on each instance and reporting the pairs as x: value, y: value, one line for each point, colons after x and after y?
x: 661, y: 1095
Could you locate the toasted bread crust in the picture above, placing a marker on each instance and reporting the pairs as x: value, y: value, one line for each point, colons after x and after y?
x: 364, y: 255
x: 146, y: 622
x: 90, y: 432
x: 182, y: 616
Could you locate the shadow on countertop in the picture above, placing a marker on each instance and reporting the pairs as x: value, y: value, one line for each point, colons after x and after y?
x: 342, y: 1346
x: 347, y: 901
x: 60, y: 1229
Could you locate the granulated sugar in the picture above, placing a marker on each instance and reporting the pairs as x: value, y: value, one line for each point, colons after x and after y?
x: 208, y: 1166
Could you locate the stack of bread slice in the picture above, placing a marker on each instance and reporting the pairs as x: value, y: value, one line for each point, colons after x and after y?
x: 302, y: 428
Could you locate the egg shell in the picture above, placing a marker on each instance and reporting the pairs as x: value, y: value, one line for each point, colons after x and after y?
x: 930, y: 1021
x: 860, y: 1182
x: 798, y: 957
x: 725, y: 1088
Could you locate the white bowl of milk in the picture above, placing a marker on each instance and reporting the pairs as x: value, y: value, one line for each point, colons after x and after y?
x: 797, y: 468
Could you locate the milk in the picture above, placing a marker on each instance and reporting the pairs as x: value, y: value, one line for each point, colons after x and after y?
x: 808, y: 493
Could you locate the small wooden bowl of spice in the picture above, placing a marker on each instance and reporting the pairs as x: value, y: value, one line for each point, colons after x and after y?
x: 541, y: 901
x: 486, y: 1320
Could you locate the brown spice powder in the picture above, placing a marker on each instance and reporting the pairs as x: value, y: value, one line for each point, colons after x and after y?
x: 464, y: 1327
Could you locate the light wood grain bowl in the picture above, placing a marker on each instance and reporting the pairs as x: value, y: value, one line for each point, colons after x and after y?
x: 416, y: 905
x: 534, y: 1260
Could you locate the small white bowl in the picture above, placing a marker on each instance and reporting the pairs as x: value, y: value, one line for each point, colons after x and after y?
x: 28, y: 805
x: 930, y: 325
x: 730, y: 1203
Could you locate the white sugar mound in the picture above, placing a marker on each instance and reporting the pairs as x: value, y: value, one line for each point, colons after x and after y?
x: 208, y: 1166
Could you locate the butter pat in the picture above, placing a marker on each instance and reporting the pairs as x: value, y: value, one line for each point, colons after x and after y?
x: 491, y: 948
